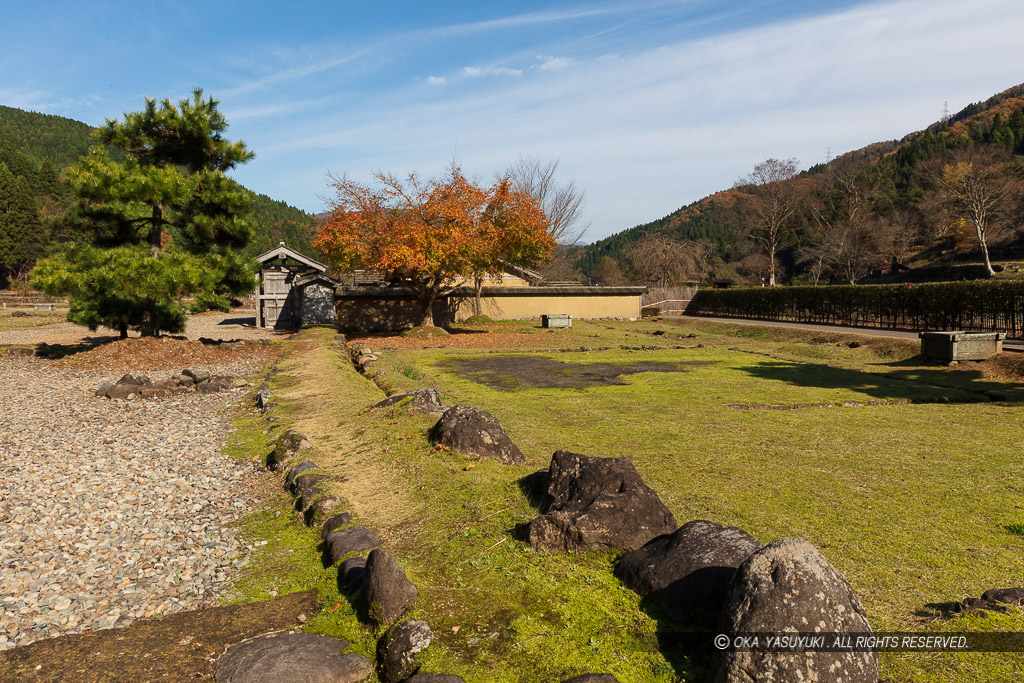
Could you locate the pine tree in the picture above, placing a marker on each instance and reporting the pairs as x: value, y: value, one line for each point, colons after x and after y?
x: 49, y: 182
x: 160, y: 225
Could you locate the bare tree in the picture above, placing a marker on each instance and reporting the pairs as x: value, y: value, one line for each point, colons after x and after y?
x: 705, y: 259
x: 660, y: 261
x: 773, y: 200
x: 978, y: 189
x: 899, y: 236
x: 851, y: 250
x: 845, y: 218
x: 814, y: 257
x: 608, y: 273
x: 754, y: 266
x: 563, y: 202
x: 560, y: 267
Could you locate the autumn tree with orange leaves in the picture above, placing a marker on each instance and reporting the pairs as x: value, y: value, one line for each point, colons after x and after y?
x: 434, y: 235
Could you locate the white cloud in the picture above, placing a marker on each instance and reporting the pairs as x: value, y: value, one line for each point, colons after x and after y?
x: 436, y: 80
x: 553, y: 63
x: 291, y: 74
x: 646, y: 131
x: 477, y: 72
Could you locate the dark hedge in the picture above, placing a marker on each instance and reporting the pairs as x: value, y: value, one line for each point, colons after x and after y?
x: 988, y: 305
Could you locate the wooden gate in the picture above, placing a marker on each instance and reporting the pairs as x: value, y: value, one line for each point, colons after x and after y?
x: 277, y: 300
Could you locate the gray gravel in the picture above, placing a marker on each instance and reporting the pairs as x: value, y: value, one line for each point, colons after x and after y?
x: 111, y: 511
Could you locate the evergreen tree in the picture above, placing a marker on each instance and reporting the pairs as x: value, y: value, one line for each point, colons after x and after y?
x: 49, y: 182
x: 161, y: 224
x: 21, y: 230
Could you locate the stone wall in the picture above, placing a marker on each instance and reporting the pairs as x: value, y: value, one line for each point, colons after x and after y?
x: 372, y: 309
x: 318, y: 305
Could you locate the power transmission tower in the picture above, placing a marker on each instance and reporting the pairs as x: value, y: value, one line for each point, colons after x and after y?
x: 945, y: 112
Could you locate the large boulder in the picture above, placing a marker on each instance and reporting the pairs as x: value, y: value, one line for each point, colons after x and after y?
x: 1008, y: 596
x: 423, y: 401
x: 287, y: 656
x: 387, y: 592
x: 476, y: 431
x: 596, y: 503
x: 401, y: 650
x: 687, y: 572
x: 993, y: 600
x: 789, y: 587
x: 355, y: 539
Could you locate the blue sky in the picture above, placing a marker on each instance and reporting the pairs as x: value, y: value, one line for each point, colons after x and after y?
x: 648, y: 105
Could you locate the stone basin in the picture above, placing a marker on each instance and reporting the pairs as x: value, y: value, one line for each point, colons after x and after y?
x: 958, y: 345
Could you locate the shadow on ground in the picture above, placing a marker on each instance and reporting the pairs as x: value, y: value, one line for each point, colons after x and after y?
x: 917, y: 385
x: 511, y: 373
x: 180, y: 647
x: 249, y: 321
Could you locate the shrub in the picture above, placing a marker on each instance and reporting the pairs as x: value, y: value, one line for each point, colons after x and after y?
x: 990, y: 305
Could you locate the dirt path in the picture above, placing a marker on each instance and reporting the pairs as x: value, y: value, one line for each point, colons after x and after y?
x: 327, y: 395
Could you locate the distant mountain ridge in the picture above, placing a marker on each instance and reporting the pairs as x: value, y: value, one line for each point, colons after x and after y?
x: 997, y: 121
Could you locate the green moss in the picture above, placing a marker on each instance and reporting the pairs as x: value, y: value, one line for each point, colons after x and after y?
x: 907, y: 501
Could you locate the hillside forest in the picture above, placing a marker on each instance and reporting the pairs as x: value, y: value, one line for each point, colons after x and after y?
x: 36, y: 199
x: 943, y: 202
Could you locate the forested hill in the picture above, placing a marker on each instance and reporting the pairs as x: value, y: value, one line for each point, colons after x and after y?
x: 40, y: 136
x: 866, y: 207
x: 37, y: 147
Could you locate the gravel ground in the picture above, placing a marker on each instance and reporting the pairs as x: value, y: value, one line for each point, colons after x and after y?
x: 238, y: 324
x: 112, y: 510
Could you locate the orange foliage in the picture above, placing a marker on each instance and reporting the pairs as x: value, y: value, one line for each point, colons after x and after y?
x: 432, y: 234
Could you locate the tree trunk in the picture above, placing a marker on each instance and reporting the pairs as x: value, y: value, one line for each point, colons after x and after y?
x: 156, y: 231
x: 478, y: 286
x: 427, y: 301
x: 123, y: 330
x: 984, y: 250
x: 771, y: 266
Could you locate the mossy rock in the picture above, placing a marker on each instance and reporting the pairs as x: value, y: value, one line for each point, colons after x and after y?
x: 423, y: 332
x: 478, y: 320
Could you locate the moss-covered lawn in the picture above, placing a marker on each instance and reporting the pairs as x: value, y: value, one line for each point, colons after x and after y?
x: 911, y: 498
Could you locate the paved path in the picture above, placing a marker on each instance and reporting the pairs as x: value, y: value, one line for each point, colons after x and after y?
x: 1008, y: 345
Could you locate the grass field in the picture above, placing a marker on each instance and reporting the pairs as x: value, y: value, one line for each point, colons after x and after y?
x: 906, y: 475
